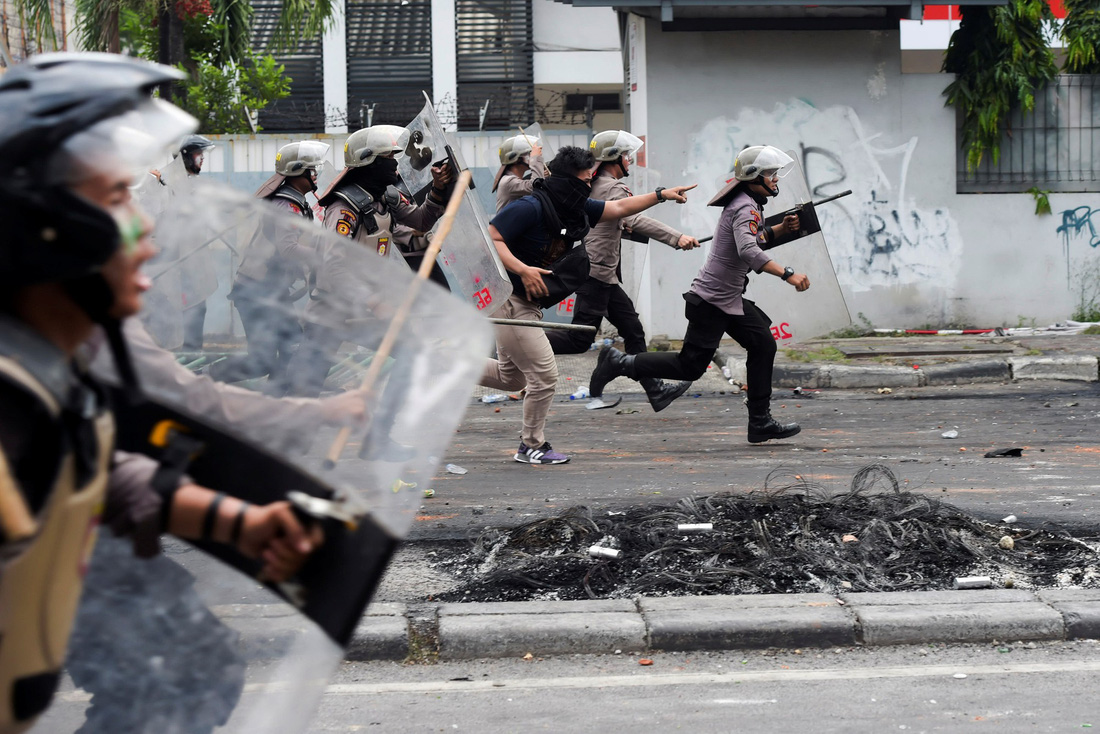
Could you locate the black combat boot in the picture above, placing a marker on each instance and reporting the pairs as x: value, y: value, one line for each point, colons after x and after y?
x: 763, y: 427
x: 610, y: 364
x: 660, y: 393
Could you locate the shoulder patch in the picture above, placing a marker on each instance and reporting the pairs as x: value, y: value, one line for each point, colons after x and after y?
x: 345, y: 225
x: 755, y: 215
x: 294, y: 207
x: 753, y: 227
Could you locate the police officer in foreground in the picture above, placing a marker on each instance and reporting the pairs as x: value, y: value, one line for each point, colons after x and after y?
x: 715, y: 301
x: 603, y: 295
x: 73, y: 130
x: 520, y: 166
x: 276, y: 259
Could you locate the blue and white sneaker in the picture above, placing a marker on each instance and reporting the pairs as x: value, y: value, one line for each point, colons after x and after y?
x: 542, y: 455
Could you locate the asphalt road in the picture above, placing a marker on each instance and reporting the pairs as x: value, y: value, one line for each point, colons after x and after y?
x: 1038, y: 687
x: 697, y: 447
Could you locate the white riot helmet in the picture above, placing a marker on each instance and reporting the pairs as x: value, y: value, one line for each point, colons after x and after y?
x: 295, y: 159
x: 610, y: 145
x: 514, y: 148
x: 364, y: 146
x: 762, y: 160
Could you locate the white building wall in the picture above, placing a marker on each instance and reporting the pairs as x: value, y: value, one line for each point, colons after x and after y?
x: 907, y: 250
x: 575, y: 45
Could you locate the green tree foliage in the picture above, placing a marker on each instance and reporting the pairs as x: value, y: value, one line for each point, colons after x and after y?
x: 228, y: 83
x: 223, y: 97
x: 1081, y: 33
x: 999, y: 56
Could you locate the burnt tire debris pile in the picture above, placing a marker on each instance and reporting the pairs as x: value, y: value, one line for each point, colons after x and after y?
x: 794, y: 538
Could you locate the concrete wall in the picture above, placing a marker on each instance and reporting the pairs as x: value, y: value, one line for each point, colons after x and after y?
x: 908, y: 251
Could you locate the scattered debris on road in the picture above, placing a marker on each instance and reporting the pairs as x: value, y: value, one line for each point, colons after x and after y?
x: 777, y: 539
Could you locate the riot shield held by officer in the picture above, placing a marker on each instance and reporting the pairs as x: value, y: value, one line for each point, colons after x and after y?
x: 75, y: 129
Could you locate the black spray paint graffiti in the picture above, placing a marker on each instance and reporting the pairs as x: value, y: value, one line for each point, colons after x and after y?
x: 894, y: 237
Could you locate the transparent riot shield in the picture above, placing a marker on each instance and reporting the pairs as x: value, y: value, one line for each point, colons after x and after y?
x: 469, y: 257
x: 814, y: 312
x: 186, y: 643
x: 184, y: 273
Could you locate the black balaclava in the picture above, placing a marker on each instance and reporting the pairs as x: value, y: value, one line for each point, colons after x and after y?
x: 375, y: 177
x: 568, y: 195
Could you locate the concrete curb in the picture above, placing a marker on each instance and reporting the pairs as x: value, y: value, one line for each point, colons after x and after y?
x: 650, y: 624
x: 1009, y: 369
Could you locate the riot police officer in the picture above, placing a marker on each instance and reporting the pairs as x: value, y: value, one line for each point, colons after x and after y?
x: 73, y: 128
x: 275, y: 259
x: 715, y: 301
x: 603, y: 295
x: 520, y: 166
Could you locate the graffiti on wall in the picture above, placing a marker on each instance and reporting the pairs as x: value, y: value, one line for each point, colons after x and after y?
x: 1077, y: 223
x: 878, y: 236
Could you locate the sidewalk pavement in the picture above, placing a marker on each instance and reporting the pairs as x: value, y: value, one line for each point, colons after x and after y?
x: 392, y: 631
x: 877, y: 362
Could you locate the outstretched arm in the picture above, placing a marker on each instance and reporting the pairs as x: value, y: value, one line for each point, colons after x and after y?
x: 620, y: 208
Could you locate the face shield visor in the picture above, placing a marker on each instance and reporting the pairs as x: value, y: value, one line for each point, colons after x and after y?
x: 774, y: 163
x: 387, y: 141
x: 624, y: 144
x: 101, y: 163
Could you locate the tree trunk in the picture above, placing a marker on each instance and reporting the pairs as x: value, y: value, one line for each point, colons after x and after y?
x: 171, y: 42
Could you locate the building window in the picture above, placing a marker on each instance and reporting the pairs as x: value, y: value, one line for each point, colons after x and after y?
x: 389, y: 47
x: 1054, y: 148
x: 304, y: 109
x: 495, y: 64
x: 604, y: 102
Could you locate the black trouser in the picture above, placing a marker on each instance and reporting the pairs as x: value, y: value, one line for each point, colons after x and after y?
x: 706, y: 325
x: 272, y: 330
x: 595, y: 301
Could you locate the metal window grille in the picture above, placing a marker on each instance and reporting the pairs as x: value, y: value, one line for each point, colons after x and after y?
x: 1053, y: 148
x: 495, y: 62
x: 389, y: 50
x: 304, y: 109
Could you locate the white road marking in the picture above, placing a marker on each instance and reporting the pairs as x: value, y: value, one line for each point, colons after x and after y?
x: 695, y: 679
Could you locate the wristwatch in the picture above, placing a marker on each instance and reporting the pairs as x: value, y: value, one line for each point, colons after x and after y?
x: 787, y: 272
x: 658, y: 190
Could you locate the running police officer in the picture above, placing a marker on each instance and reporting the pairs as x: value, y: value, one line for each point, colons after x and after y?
x: 603, y: 295
x: 520, y: 166
x: 715, y: 300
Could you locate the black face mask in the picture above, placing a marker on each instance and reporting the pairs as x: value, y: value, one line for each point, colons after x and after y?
x: 567, y: 195
x: 377, y: 176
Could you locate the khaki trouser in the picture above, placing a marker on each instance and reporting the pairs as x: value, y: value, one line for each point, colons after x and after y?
x: 524, y: 359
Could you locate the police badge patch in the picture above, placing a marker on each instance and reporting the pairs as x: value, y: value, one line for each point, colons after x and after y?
x: 383, y: 245
x: 345, y: 225
x: 753, y: 228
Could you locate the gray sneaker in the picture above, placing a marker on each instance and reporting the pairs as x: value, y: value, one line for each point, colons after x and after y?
x: 542, y: 455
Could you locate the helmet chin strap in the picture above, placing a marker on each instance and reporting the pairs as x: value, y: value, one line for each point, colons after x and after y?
x: 761, y: 181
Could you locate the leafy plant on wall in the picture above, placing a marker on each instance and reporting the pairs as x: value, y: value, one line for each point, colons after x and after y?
x: 1081, y: 33
x: 999, y: 56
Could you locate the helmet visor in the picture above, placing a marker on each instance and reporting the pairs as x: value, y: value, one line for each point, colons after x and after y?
x: 628, y: 144
x: 136, y: 141
x: 774, y: 163
x: 388, y: 140
x: 313, y: 153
